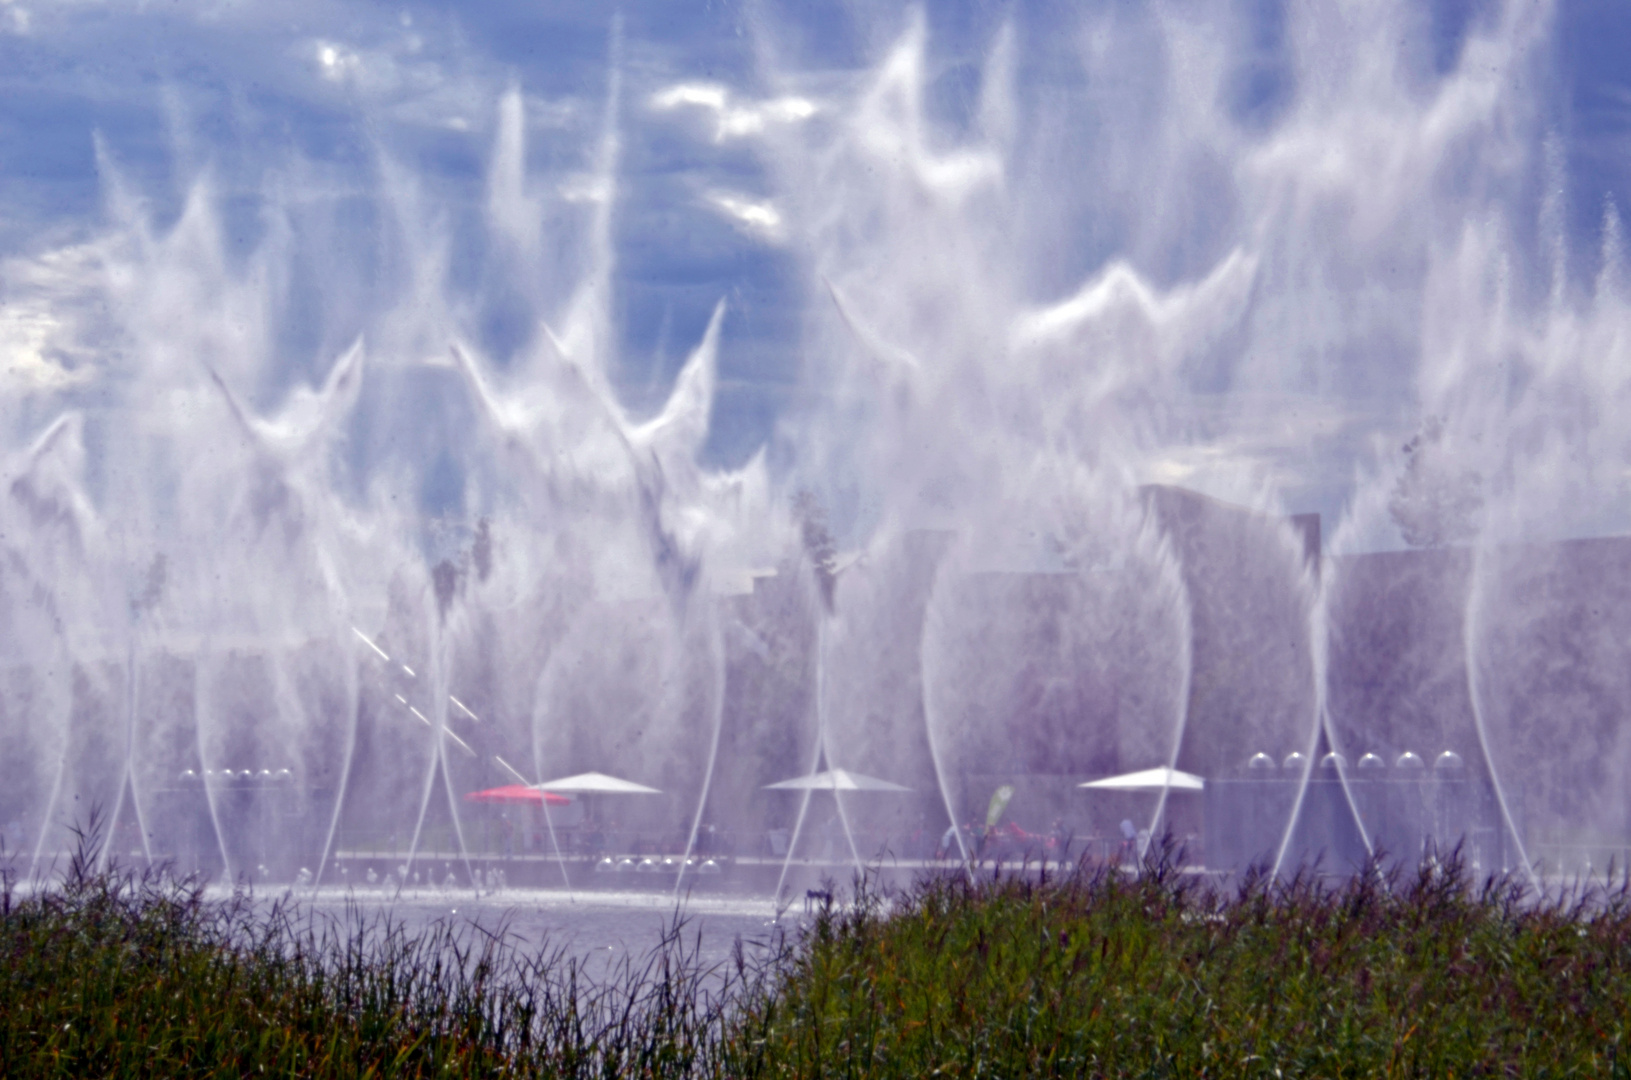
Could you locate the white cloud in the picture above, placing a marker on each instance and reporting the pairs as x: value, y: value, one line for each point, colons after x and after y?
x: 586, y: 188
x: 706, y: 95
x: 732, y: 121
x: 336, y: 63
x: 760, y: 218
x: 14, y: 18
x: 1237, y: 446
x: 396, y: 76
x: 46, y: 305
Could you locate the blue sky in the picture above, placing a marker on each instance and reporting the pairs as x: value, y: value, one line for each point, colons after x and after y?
x: 298, y: 105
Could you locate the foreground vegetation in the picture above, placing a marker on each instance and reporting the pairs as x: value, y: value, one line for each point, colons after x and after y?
x: 1110, y: 976
x: 116, y: 975
x: 1096, y: 974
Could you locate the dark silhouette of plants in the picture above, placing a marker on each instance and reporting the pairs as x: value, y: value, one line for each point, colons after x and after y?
x: 1435, y: 502
x: 819, y: 546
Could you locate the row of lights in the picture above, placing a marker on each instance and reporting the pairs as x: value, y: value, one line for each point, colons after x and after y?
x: 651, y: 865
x: 265, y: 776
x: 1409, y: 761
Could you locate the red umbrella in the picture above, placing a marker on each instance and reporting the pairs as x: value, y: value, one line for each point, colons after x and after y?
x: 518, y: 793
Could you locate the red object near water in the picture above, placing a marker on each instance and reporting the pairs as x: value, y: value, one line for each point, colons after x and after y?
x: 518, y: 793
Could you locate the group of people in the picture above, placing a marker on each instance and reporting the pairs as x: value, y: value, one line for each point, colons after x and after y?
x: 1006, y: 840
x: 1009, y: 840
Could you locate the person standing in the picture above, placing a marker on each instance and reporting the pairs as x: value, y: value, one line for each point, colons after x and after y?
x: 1059, y: 839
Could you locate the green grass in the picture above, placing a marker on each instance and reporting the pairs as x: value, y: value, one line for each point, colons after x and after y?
x: 1094, y: 974
x: 113, y: 974
x: 1109, y: 975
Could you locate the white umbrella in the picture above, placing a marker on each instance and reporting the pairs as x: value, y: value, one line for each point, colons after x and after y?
x: 595, y: 783
x: 1148, y: 780
x: 835, y: 780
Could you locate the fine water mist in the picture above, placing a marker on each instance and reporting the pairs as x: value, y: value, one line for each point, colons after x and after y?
x: 1168, y: 395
